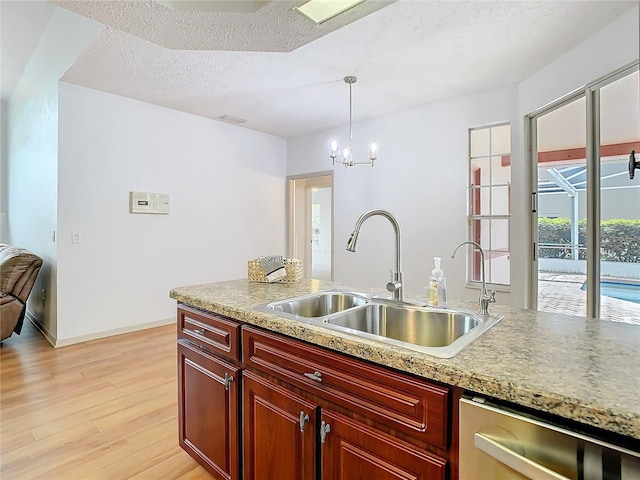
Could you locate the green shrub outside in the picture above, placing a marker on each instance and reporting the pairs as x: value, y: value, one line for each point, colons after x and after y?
x: 620, y: 239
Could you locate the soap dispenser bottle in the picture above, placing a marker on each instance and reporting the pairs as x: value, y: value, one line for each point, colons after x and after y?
x: 437, y: 296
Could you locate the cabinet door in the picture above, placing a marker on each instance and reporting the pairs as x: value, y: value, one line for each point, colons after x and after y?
x: 354, y: 451
x: 208, y: 411
x: 279, y: 432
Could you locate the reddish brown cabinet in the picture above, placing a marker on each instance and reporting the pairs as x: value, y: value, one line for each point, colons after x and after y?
x: 373, y: 423
x: 302, y: 412
x: 394, y: 401
x: 211, y: 332
x: 279, y: 432
x: 208, y: 391
x: 353, y: 450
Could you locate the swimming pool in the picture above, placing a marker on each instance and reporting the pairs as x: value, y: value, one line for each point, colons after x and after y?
x: 623, y: 291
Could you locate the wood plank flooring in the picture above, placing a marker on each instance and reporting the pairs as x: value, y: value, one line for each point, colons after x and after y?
x: 100, y: 410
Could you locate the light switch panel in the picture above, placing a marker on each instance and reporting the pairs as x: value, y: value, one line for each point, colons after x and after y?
x: 76, y: 236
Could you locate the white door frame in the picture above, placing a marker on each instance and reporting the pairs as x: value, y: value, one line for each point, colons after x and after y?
x: 315, y: 179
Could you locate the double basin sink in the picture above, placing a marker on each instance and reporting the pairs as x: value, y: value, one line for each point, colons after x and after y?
x: 434, y: 331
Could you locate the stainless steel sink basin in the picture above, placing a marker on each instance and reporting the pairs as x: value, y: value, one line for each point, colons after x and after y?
x: 418, y: 326
x: 319, y: 304
x: 438, y: 332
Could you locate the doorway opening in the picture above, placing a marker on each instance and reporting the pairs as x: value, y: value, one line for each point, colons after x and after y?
x: 310, y: 223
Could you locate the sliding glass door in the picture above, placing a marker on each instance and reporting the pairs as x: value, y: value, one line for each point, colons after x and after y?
x: 619, y: 200
x: 561, y: 208
x: 585, y: 206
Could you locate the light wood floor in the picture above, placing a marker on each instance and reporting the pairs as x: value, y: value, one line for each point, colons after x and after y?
x: 105, y: 409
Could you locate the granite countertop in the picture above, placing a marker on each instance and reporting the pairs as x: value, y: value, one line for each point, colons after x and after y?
x: 581, y: 369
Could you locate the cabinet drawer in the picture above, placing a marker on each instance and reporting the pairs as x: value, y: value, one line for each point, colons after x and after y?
x: 212, y: 332
x: 399, y: 402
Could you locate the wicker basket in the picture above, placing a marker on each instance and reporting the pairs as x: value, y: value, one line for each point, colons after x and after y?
x: 293, y: 267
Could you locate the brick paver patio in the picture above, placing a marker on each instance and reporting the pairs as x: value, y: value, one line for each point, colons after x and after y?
x: 561, y: 293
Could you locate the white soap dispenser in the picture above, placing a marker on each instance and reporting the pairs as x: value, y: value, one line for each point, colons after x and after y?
x: 437, y: 293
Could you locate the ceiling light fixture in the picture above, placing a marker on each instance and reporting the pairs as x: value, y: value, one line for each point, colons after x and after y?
x: 347, y: 153
x: 322, y: 10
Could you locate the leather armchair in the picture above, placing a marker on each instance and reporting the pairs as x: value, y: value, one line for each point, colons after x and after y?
x: 18, y: 271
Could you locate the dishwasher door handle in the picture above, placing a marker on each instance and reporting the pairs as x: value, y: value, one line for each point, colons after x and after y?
x: 517, y: 462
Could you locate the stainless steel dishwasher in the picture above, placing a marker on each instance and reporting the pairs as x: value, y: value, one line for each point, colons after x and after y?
x: 497, y: 443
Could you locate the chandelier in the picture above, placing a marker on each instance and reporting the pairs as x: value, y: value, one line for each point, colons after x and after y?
x: 347, y: 152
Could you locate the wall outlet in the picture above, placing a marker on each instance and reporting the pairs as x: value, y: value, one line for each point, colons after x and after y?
x: 43, y: 295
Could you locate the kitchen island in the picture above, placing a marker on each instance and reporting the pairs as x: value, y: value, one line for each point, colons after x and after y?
x: 396, y: 404
x: 580, y: 369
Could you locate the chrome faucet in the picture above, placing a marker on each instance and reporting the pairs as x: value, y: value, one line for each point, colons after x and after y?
x: 485, y: 297
x: 395, y: 284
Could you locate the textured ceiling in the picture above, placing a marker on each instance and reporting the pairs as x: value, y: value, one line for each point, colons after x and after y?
x: 275, y: 27
x: 406, y: 54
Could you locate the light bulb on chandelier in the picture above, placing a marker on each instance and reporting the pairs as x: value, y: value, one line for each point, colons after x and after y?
x: 347, y: 152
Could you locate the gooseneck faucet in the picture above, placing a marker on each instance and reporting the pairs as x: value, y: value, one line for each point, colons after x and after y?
x: 485, y: 297
x: 395, y: 284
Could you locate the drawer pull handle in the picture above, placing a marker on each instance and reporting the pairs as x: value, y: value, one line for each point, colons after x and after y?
x: 199, y: 331
x: 303, y: 419
x: 317, y: 376
x: 325, y: 428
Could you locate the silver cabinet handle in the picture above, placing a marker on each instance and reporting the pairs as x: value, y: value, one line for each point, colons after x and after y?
x: 199, y: 331
x: 227, y: 380
x: 303, y: 419
x: 514, y: 460
x: 317, y: 376
x: 325, y: 428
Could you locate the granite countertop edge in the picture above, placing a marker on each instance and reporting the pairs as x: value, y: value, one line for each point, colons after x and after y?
x: 608, y: 417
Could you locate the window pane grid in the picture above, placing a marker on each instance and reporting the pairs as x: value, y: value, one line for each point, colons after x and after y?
x: 489, y: 201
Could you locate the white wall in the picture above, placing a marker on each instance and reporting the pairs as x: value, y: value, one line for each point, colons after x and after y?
x: 4, y: 227
x: 422, y: 173
x: 229, y: 181
x: 32, y: 152
x: 420, y: 177
x: 610, y: 48
x: 227, y: 187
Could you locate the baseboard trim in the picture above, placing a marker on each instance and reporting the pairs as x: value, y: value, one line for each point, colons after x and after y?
x: 41, y: 328
x: 110, y: 333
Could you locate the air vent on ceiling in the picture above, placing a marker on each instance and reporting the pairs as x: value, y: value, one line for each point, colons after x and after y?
x: 220, y: 6
x: 231, y: 119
